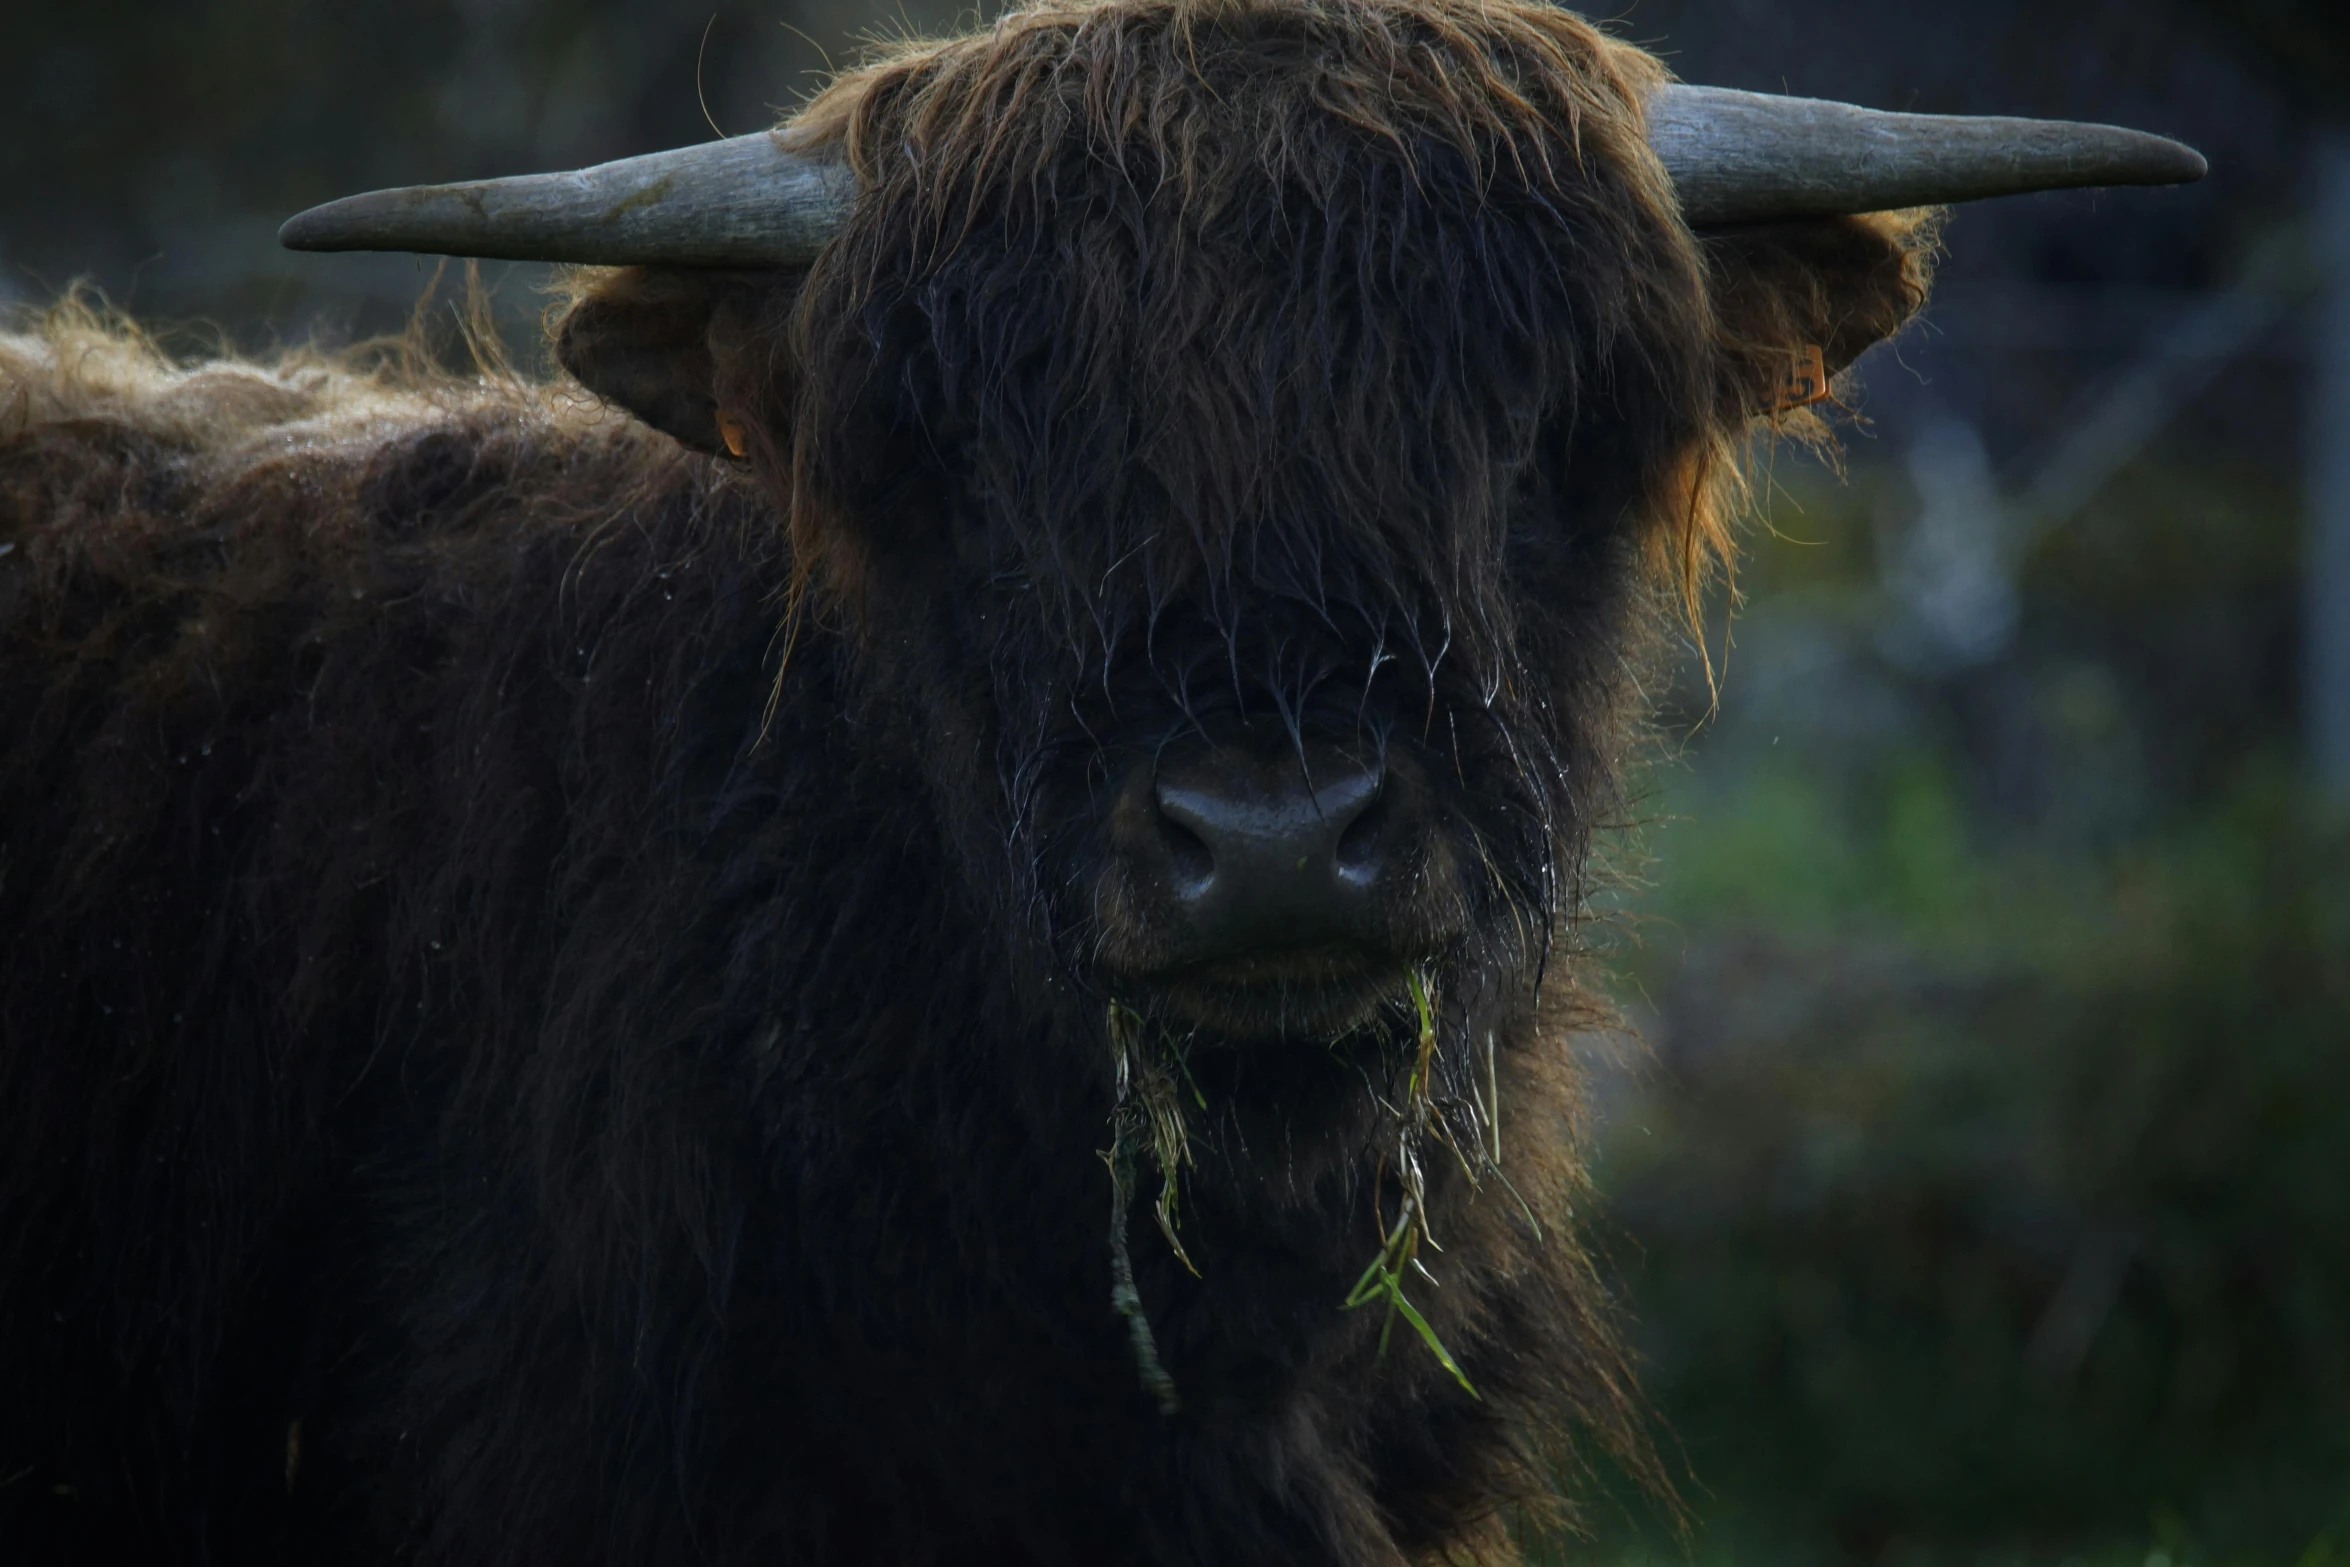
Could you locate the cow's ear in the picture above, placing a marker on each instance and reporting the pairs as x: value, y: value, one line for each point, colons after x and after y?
x: 665, y: 343
x: 1796, y: 302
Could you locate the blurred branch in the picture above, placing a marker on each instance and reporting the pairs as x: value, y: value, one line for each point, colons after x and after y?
x: 2145, y: 398
x: 2326, y: 613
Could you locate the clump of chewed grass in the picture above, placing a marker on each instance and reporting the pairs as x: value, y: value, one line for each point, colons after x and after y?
x: 1148, y: 1116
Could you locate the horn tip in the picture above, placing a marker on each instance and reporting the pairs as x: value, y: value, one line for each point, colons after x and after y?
x: 2143, y: 158
x: 315, y: 228
x: 2186, y: 164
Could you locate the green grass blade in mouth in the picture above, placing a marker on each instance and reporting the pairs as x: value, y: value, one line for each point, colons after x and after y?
x: 1400, y: 1250
x: 1381, y: 1285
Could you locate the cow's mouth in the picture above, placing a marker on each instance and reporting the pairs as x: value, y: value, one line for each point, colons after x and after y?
x: 1310, y: 993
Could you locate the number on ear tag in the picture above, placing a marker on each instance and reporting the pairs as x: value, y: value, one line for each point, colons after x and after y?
x: 1806, y: 383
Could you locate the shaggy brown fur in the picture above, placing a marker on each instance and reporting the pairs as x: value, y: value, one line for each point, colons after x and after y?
x: 497, y: 1067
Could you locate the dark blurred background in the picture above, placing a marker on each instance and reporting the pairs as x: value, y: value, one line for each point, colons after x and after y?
x: 1981, y: 1177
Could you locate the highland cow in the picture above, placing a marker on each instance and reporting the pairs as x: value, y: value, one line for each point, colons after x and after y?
x: 954, y: 943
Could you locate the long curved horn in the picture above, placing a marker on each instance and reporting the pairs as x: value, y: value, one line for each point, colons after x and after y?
x: 749, y: 201
x: 1740, y: 157
x: 752, y: 201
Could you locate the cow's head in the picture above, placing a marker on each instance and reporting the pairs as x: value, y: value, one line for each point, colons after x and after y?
x: 1256, y: 425
x: 1252, y: 436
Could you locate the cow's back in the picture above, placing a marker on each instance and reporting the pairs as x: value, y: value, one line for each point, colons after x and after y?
x: 291, y: 660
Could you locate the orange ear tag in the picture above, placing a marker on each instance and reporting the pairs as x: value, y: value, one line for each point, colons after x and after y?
x: 1806, y: 383
x: 731, y: 432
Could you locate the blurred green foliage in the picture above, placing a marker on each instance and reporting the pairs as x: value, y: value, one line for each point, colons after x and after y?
x: 1984, y: 1194
x: 1981, y: 1202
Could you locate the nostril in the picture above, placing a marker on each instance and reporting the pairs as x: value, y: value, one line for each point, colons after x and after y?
x: 1190, y: 862
x: 1359, y: 848
x: 1192, y: 823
